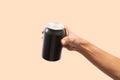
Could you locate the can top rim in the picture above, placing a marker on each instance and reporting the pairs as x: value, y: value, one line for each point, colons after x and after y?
x: 54, y: 26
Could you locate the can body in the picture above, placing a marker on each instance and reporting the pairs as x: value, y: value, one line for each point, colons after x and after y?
x: 52, y: 44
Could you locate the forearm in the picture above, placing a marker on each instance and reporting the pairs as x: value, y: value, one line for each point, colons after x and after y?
x: 107, y: 63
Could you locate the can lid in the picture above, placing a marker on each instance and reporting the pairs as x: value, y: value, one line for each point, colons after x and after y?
x: 54, y: 26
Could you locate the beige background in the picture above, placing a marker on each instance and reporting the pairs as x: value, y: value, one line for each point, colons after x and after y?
x: 21, y: 23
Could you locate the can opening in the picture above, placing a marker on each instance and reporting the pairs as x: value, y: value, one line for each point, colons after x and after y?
x: 55, y: 26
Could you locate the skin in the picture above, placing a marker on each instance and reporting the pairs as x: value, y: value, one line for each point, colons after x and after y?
x: 104, y: 61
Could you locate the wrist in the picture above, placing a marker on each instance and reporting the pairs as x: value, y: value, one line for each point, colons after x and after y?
x: 83, y: 46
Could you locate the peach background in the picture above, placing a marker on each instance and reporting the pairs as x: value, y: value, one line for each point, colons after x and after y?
x: 21, y: 23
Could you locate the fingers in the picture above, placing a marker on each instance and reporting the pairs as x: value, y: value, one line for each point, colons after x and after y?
x: 69, y: 47
x: 66, y: 31
x: 65, y: 41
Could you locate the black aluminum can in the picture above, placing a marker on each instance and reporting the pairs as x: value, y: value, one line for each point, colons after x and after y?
x: 52, y: 47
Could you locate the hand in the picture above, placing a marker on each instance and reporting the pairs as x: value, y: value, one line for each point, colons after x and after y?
x: 71, y: 41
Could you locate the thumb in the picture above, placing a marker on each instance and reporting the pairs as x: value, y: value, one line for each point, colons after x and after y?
x: 65, y: 41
